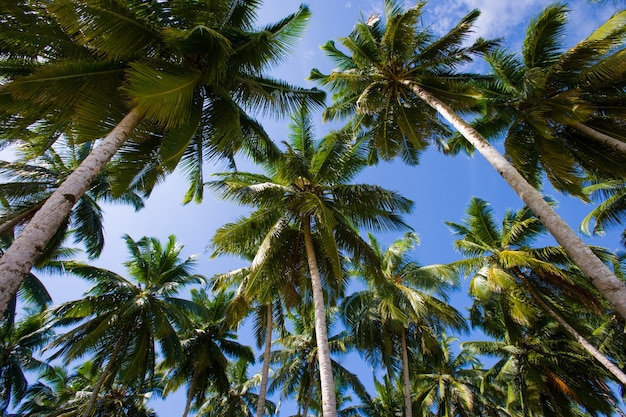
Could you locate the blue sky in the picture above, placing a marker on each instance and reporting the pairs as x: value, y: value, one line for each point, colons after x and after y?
x: 440, y: 186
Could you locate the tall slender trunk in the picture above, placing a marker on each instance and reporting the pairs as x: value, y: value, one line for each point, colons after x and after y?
x: 604, y: 361
x: 309, y: 395
x: 406, y: 381
x: 190, y: 390
x: 265, y: 370
x: 103, y: 377
x: 605, y: 281
x: 30, y: 243
x: 600, y: 137
x: 329, y: 401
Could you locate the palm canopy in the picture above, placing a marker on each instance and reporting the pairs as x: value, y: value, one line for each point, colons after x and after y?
x: 207, y: 346
x: 306, y: 199
x: 548, y: 102
x: 119, y: 320
x: 193, y: 70
x: 403, y: 296
x: 501, y: 261
x: 309, y: 179
x: 383, y: 55
x: 152, y: 72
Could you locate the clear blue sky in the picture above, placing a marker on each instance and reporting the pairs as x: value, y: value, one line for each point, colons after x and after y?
x: 440, y: 186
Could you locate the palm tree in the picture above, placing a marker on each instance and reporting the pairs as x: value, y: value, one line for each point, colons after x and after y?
x: 448, y: 383
x: 400, y: 77
x: 545, y: 372
x: 207, y: 347
x: 31, y: 181
x: 144, y: 70
x: 297, y: 362
x: 119, y: 320
x: 239, y: 400
x: 502, y: 260
x: 387, y: 402
x: 307, y: 192
x: 265, y: 290
x: 398, y: 303
x: 61, y: 394
x: 22, y: 336
x: 556, y: 106
x: 19, y: 343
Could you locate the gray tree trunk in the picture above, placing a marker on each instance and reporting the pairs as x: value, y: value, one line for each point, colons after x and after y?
x: 265, y: 370
x: 605, y: 281
x: 406, y: 381
x: 29, y: 244
x: 600, y: 137
x: 591, y: 349
x: 329, y: 401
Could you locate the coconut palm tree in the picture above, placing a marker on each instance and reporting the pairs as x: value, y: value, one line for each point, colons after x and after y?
x: 119, y: 320
x: 139, y: 70
x: 448, y: 383
x: 19, y: 343
x: 399, y: 78
x: 239, y: 400
x: 307, y: 191
x: 29, y: 182
x: 207, y: 346
x: 62, y: 394
x: 545, y: 372
x: 297, y: 366
x: 558, y: 107
x: 530, y: 280
x: 266, y: 290
x: 399, y: 303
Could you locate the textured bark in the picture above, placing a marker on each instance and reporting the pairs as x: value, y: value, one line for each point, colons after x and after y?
x: 265, y: 370
x: 600, y: 137
x: 406, y: 381
x: 591, y: 349
x: 22, y: 254
x: 329, y: 401
x: 605, y: 281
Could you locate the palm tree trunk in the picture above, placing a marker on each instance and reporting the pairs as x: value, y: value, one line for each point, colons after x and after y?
x: 408, y: 408
x: 265, y: 370
x: 190, y: 391
x: 604, y: 361
x: 329, y: 401
x: 600, y: 137
x: 105, y: 374
x: 309, y: 395
x: 10, y: 224
x: 22, y: 254
x: 605, y: 281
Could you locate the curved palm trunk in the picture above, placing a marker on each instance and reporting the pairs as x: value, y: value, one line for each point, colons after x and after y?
x: 605, y: 281
x: 591, y: 349
x: 309, y: 395
x: 408, y: 408
x: 265, y: 370
x: 600, y: 137
x: 329, y: 401
x: 22, y: 254
x: 103, y: 377
x: 190, y: 391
